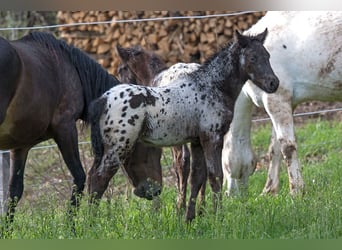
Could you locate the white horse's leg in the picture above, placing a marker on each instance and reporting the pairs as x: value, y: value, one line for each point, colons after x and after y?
x: 274, y: 151
x: 238, y: 159
x: 279, y: 108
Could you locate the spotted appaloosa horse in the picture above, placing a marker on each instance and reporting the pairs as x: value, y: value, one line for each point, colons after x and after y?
x: 139, y: 66
x: 197, y: 108
x: 306, y: 55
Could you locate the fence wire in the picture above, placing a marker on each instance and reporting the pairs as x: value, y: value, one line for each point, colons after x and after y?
x: 127, y: 21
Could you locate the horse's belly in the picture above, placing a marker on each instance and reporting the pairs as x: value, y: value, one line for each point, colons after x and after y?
x: 165, y: 140
x: 5, y: 138
x: 18, y: 135
x: 321, y: 91
x: 7, y: 142
x: 167, y: 135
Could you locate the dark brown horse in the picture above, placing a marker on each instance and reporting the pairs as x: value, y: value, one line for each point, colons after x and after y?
x: 139, y: 66
x: 46, y: 86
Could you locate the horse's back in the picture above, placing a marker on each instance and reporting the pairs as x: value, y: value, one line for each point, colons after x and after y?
x: 176, y: 71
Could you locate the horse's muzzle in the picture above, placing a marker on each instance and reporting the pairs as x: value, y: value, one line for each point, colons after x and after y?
x: 271, y: 84
x: 148, y: 189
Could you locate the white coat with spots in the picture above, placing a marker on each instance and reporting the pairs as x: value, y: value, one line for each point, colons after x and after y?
x: 197, y: 108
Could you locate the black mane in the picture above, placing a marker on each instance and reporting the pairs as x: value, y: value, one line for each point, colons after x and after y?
x: 216, y: 54
x: 223, y: 56
x: 94, y: 78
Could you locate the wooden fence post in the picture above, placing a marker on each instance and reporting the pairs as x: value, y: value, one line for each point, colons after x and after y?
x: 4, y: 178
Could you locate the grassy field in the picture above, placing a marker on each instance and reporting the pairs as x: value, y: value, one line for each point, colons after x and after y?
x: 316, y: 215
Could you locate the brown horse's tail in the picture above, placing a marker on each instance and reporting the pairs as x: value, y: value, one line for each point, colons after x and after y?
x: 96, y: 109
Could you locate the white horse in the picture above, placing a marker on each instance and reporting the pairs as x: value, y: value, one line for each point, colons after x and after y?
x: 306, y: 55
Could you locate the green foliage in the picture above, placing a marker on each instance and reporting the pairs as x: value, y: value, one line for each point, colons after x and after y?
x: 15, y: 19
x: 316, y: 215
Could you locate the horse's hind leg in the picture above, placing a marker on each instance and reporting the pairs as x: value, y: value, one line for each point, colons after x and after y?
x: 212, y: 149
x: 16, y: 183
x: 198, y: 174
x: 201, y: 198
x: 181, y: 164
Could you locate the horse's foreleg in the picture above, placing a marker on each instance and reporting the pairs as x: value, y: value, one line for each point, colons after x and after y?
x: 16, y: 183
x: 274, y: 152
x: 100, y: 174
x: 201, y: 198
x: 66, y: 138
x: 280, y: 111
x: 198, y: 174
x: 3, y: 108
x: 238, y: 158
x: 181, y: 164
x: 236, y: 187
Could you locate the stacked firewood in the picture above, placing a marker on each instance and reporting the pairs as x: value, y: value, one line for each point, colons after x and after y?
x: 175, y: 40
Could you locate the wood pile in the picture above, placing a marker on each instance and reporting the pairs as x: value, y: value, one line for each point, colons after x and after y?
x: 177, y: 40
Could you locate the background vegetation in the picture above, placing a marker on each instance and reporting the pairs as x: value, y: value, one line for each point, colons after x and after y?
x: 24, y: 19
x: 316, y: 215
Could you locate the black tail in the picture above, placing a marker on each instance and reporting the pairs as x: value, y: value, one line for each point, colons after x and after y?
x: 96, y: 109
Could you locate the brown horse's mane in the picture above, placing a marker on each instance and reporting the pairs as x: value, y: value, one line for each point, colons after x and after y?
x: 94, y: 78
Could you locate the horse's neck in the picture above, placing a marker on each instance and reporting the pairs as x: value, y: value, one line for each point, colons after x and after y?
x: 224, y: 73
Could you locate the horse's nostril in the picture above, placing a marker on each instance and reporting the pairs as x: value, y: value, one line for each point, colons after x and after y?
x: 274, y: 83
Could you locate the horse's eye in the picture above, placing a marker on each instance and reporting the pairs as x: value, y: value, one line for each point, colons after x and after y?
x: 252, y: 59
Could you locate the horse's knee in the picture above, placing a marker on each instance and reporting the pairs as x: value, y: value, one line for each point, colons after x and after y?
x: 99, y: 176
x: 215, y: 180
x: 97, y: 184
x: 287, y: 149
x: 238, y: 158
x: 186, y: 156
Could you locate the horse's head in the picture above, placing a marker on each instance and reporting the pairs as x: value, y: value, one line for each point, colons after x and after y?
x: 255, y: 63
x: 144, y: 171
x: 138, y: 66
x: 126, y: 75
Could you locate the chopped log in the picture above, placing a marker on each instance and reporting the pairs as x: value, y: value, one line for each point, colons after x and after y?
x: 174, y: 40
x: 103, y: 48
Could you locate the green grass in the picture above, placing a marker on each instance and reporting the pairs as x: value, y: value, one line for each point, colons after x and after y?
x: 317, y: 215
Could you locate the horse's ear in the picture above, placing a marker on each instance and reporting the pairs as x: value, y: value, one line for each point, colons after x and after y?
x: 122, y: 52
x: 241, y: 39
x: 262, y: 36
